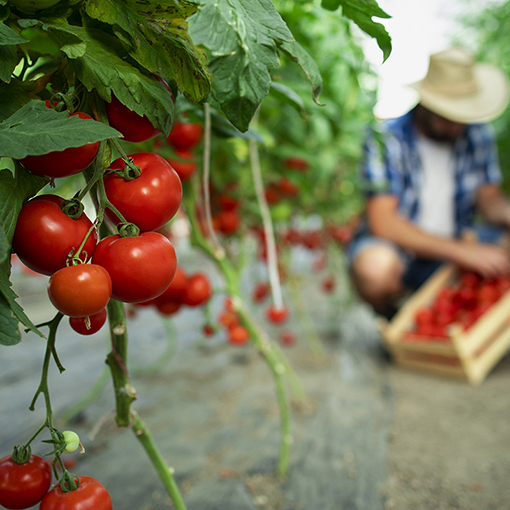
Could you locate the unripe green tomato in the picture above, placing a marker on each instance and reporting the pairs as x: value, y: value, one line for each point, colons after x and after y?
x: 33, y: 5
x: 72, y: 441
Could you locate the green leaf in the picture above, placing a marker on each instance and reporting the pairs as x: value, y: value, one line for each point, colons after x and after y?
x: 35, y: 129
x: 298, y: 53
x: 105, y: 67
x: 155, y: 35
x: 13, y: 193
x: 361, y: 12
x: 241, y: 39
x: 9, y: 36
x: 13, y: 96
x: 8, y: 62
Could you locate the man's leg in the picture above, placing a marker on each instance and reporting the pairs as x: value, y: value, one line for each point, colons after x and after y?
x: 377, y: 269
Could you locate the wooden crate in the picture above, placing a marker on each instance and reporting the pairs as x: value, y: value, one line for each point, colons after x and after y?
x: 468, y: 355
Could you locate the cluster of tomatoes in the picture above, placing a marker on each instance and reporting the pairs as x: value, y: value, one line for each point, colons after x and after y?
x: 462, y: 303
x: 26, y: 483
x: 54, y: 236
x: 184, y: 290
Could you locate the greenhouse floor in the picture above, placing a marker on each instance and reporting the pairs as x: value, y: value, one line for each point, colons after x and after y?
x: 368, y: 435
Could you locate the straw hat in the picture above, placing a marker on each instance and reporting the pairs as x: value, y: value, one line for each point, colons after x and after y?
x: 462, y: 90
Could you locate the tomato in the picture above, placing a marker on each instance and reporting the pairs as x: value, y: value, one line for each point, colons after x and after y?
x: 272, y: 195
x: 90, y: 495
x: 328, y: 285
x: 150, y: 200
x: 185, y: 135
x: 184, y: 169
x: 295, y: 163
x: 45, y: 235
x: 89, y: 325
x: 277, y: 315
x: 424, y: 317
x: 168, y: 307
x: 260, y: 292
x: 228, y: 222
x: 176, y: 289
x: 63, y: 163
x: 141, y: 267
x: 287, y: 187
x: 198, y: 290
x: 228, y: 318
x: 23, y: 485
x: 287, y: 338
x: 238, y: 335
x: 81, y: 290
x: 134, y: 128
x: 208, y: 330
x: 228, y: 203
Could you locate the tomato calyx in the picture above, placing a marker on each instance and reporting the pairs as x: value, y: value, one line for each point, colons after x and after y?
x: 69, y: 482
x: 73, y: 208
x: 126, y: 229
x: 21, y: 454
x: 130, y: 170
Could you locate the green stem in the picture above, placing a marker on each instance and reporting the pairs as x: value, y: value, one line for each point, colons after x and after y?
x: 125, y: 394
x: 165, y: 472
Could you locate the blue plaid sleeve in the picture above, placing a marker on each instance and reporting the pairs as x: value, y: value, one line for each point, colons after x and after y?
x: 485, y: 154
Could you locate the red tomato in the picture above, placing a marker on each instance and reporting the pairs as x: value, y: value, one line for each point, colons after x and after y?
x: 228, y: 203
x: 272, y: 195
x: 80, y: 291
x: 185, y: 136
x: 23, y: 485
x: 328, y: 285
x: 469, y: 279
x: 295, y: 163
x: 168, y: 307
x: 88, y: 327
x: 198, y: 290
x: 287, y: 187
x: 141, y: 267
x: 487, y: 293
x: 228, y: 222
x: 44, y: 235
x: 63, y: 163
x: 424, y: 317
x: 90, y: 495
x: 228, y: 318
x: 184, y: 169
x: 238, y: 335
x: 208, y: 330
x: 150, y: 200
x: 260, y: 292
x: 176, y: 289
x: 134, y: 128
x: 277, y: 315
x: 287, y: 338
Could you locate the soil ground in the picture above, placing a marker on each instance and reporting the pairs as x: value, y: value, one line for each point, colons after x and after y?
x: 368, y: 435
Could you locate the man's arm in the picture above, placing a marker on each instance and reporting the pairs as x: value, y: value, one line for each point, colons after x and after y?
x: 385, y: 221
x: 493, y: 205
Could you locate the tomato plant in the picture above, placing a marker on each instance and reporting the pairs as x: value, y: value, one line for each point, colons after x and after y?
x: 80, y: 291
x: 23, y: 485
x: 90, y: 324
x: 90, y: 495
x: 33, y: 5
x: 45, y: 235
x: 63, y: 163
x: 148, y: 265
x: 185, y: 135
x: 149, y: 200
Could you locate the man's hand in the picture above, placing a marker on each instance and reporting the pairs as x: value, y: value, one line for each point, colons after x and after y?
x: 489, y: 260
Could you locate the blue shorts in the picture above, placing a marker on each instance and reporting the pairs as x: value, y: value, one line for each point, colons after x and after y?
x: 417, y: 269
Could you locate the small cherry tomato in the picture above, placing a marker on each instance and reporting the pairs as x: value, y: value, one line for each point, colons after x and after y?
x: 198, y: 290
x: 23, y: 485
x: 238, y: 335
x: 185, y: 135
x: 260, y: 292
x: 151, y: 199
x: 90, y: 324
x: 81, y: 290
x: 185, y: 169
x: 287, y: 338
x: 141, y: 267
x: 45, y: 235
x: 90, y: 495
x: 63, y: 163
x: 277, y: 315
x: 168, y: 307
x: 228, y: 222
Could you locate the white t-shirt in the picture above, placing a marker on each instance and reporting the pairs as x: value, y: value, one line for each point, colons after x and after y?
x: 436, y: 214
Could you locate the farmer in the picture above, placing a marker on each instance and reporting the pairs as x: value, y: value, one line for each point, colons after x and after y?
x: 428, y: 176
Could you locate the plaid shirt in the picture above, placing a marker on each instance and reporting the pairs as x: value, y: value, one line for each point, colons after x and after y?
x: 396, y: 169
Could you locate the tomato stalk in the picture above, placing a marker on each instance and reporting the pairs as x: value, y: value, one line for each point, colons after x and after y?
x: 125, y: 394
x: 274, y: 358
